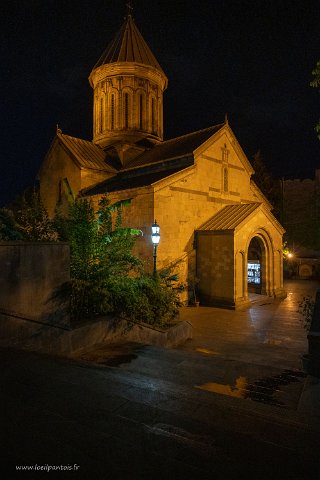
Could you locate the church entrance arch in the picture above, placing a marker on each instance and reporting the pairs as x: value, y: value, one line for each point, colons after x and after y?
x: 258, y: 264
x: 255, y: 265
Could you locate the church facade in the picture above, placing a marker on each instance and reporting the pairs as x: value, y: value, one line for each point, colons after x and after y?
x: 217, y: 228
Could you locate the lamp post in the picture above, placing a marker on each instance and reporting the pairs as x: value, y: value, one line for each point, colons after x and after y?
x: 155, y: 237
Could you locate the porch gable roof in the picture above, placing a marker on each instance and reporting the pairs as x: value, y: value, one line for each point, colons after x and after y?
x: 229, y: 217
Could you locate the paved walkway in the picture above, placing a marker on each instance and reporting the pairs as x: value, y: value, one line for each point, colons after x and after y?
x: 226, y: 405
x: 269, y: 333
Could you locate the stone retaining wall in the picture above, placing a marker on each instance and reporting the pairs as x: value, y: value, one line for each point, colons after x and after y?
x: 33, y: 316
x: 31, y: 274
x: 25, y: 335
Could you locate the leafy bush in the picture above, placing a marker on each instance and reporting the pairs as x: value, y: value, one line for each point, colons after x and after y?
x: 27, y: 219
x: 106, y: 278
x: 89, y: 299
x: 98, y: 250
x: 147, y: 299
x: 101, y: 253
x: 9, y: 229
x: 144, y: 298
x: 34, y: 219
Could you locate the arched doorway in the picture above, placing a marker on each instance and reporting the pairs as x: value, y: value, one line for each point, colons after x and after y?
x: 256, y: 267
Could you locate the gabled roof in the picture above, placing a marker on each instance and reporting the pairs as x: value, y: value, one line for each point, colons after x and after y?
x: 86, y: 153
x: 176, y: 147
x: 141, y: 177
x: 128, y: 46
x: 161, y: 161
x: 259, y: 193
x: 230, y: 217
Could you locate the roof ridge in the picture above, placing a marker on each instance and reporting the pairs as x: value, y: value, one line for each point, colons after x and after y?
x: 174, y: 148
x: 190, y: 133
x: 166, y: 160
x: 81, y: 139
x: 60, y: 134
x: 86, y: 153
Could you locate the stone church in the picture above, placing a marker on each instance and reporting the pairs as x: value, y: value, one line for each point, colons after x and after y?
x: 216, y: 226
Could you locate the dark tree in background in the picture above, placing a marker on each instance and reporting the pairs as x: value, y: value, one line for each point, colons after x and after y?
x: 316, y: 84
x: 27, y: 219
x: 301, y: 203
x: 269, y: 186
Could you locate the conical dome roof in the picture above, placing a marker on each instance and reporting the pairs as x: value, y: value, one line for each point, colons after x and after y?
x: 128, y: 46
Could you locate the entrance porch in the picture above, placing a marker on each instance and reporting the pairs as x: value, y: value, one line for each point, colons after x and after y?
x: 239, y: 251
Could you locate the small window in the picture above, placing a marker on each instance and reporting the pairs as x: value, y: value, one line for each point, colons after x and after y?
x: 225, y: 180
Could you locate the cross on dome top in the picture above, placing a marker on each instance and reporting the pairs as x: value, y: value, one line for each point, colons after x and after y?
x: 129, y: 8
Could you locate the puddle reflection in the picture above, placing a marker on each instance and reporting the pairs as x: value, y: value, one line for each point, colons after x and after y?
x: 207, y: 351
x: 237, y: 391
x: 261, y: 390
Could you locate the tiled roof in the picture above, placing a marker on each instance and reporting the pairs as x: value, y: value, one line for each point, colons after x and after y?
x: 128, y: 46
x: 86, y: 153
x: 230, y: 217
x: 155, y: 164
x: 174, y: 148
x: 135, y: 178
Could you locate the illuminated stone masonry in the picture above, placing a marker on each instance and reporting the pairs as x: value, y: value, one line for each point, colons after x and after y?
x: 214, y: 220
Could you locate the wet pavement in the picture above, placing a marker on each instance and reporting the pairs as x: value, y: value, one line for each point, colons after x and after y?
x: 269, y: 333
x: 226, y: 405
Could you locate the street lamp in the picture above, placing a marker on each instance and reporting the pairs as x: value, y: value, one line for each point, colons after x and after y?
x: 155, y: 237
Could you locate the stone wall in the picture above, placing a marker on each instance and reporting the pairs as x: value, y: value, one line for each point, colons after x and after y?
x: 32, y: 317
x: 184, y: 201
x: 55, y: 168
x: 215, y: 268
x: 31, y: 275
x: 67, y: 342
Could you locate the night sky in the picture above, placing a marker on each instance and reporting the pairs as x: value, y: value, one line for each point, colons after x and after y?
x: 250, y: 58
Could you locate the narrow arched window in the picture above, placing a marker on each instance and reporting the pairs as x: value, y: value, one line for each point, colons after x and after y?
x: 126, y: 110
x: 225, y: 180
x: 101, y: 116
x: 112, y: 111
x: 141, y: 112
x: 153, y: 115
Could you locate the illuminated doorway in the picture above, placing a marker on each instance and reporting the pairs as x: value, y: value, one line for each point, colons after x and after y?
x: 255, y: 266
